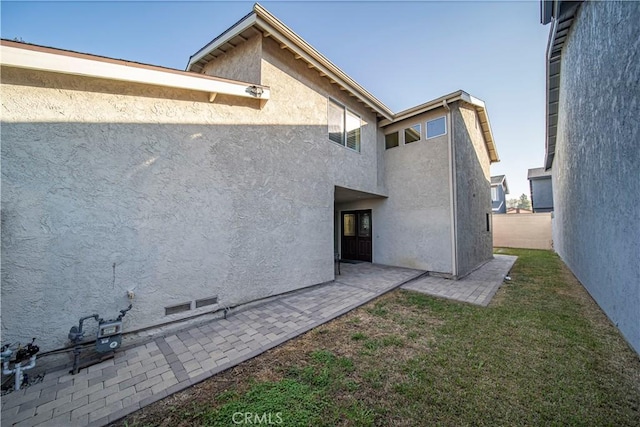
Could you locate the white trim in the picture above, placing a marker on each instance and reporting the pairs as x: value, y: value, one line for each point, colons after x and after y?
x: 80, y: 66
x: 404, y: 135
x: 236, y: 30
x: 453, y: 194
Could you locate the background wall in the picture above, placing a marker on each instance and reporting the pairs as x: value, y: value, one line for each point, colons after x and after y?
x: 529, y: 231
x: 595, y: 169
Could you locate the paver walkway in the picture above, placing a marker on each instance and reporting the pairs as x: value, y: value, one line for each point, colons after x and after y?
x: 476, y: 288
x: 143, y: 374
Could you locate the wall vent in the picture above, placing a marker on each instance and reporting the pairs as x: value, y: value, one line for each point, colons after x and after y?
x: 206, y: 301
x: 177, y: 308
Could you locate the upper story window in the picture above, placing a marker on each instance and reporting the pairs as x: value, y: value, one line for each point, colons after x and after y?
x: 436, y: 127
x: 494, y: 194
x: 412, y: 134
x: 344, y: 126
x: 392, y: 140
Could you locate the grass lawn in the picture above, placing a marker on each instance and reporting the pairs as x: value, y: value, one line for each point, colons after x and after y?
x: 542, y: 353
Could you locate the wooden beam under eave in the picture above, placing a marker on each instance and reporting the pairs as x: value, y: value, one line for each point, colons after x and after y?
x: 283, y: 46
x: 311, y: 66
x: 263, y: 102
x: 266, y: 35
x: 322, y: 74
x: 212, y: 96
x: 297, y: 56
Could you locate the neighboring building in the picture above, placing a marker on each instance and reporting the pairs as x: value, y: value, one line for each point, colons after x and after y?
x: 593, y: 152
x: 499, y: 191
x: 541, y: 190
x: 198, y: 192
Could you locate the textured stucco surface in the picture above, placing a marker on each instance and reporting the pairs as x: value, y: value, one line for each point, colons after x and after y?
x: 473, y: 191
x: 111, y: 187
x: 415, y: 221
x: 188, y: 199
x: 596, y: 164
x: 241, y: 63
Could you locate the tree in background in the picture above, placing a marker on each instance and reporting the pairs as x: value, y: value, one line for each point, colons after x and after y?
x: 512, y: 203
x: 523, y: 202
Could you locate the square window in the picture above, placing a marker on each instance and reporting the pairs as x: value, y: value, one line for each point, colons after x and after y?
x: 392, y: 140
x: 412, y: 134
x: 436, y: 127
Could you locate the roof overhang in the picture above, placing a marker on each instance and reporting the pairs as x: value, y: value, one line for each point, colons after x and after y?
x: 561, y: 14
x: 261, y: 21
x: 443, y: 101
x: 34, y: 57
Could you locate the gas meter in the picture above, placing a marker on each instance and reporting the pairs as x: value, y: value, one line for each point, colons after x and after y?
x: 108, y: 339
x: 109, y: 336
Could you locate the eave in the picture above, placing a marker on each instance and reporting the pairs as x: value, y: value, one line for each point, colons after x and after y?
x: 561, y: 13
x: 261, y: 21
x: 34, y: 57
x: 443, y: 101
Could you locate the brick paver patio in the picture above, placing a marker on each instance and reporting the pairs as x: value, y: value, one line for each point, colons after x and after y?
x: 476, y: 288
x: 143, y: 374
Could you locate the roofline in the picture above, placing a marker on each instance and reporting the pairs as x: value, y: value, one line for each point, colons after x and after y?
x: 441, y: 102
x: 502, y: 182
x: 560, y: 13
x: 35, y: 57
x: 274, y: 28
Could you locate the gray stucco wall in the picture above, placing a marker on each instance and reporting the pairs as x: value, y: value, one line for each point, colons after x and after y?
x: 473, y: 191
x: 414, y: 224
x: 596, y: 164
x: 187, y: 198
x: 542, y: 194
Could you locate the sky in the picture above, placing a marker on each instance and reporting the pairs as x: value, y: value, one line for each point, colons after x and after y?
x: 404, y: 53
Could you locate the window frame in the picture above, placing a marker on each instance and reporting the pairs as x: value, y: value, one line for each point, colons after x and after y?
x: 404, y: 133
x: 397, y: 133
x: 346, y: 111
x: 426, y: 127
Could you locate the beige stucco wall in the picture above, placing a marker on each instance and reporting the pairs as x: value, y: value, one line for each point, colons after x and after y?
x: 529, y: 231
x: 241, y: 63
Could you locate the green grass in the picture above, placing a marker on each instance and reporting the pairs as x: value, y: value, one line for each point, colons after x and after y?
x: 542, y: 353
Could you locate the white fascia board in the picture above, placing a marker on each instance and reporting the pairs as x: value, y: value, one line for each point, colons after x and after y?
x: 310, y: 55
x: 65, y: 64
x: 239, y: 28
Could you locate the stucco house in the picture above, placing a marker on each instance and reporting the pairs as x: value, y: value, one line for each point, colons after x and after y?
x: 499, y: 191
x: 232, y: 181
x: 541, y: 190
x: 592, y: 150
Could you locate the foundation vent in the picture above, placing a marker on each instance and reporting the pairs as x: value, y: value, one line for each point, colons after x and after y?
x: 206, y: 301
x: 177, y: 308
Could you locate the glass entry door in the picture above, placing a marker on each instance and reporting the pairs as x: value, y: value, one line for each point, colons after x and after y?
x: 356, y: 235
